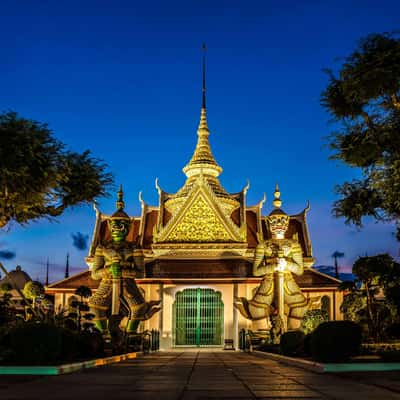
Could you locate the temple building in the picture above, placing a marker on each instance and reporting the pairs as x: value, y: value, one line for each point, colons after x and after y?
x: 15, y: 283
x: 198, y: 247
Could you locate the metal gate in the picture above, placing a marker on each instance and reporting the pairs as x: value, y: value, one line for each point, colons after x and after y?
x: 198, y: 317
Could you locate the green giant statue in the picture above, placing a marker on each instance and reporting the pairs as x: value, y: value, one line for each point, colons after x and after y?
x: 116, y: 264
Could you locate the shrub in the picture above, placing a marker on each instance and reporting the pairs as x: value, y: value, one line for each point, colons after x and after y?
x: 292, y: 343
x: 336, y: 341
x: 270, y: 348
x: 35, y: 343
x: 390, y: 356
x: 393, y: 331
x: 311, y: 320
x: 307, y: 345
x: 90, y: 344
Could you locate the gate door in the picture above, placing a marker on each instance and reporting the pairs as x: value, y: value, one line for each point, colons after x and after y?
x: 198, y: 317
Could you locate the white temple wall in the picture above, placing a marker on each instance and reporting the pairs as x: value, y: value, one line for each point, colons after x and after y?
x: 164, y: 319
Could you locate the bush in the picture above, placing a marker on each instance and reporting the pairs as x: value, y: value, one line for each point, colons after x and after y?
x: 270, y: 348
x: 390, y: 356
x: 37, y: 344
x: 90, y: 344
x: 292, y: 343
x: 393, y: 331
x: 312, y: 319
x: 307, y: 345
x: 336, y: 341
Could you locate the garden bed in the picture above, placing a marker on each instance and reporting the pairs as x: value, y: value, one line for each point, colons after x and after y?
x: 353, y: 365
x: 64, y: 368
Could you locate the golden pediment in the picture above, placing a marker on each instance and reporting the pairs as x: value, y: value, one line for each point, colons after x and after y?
x: 199, y: 220
x: 199, y: 224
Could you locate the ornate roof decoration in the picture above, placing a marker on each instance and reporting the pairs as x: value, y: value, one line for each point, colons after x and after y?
x: 277, y: 203
x: 120, y: 213
x: 200, y: 219
x: 202, y: 163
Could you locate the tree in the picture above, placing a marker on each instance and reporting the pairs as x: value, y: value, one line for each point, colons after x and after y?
x: 6, y: 305
x: 83, y: 292
x: 336, y: 255
x: 33, y: 290
x: 364, y: 99
x: 81, y: 306
x: 39, y: 177
x: 311, y: 320
x: 361, y: 303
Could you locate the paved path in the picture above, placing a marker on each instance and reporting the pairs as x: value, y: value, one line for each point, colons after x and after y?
x: 191, y: 376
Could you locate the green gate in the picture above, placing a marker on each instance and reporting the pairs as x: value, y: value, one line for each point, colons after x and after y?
x: 198, y: 317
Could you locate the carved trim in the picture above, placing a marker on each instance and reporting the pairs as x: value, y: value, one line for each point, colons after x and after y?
x: 200, y: 188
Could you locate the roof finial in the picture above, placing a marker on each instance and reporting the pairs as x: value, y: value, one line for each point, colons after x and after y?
x: 203, y: 103
x: 120, y: 199
x: 277, y: 198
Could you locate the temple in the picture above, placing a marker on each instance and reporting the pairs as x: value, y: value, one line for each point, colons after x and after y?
x: 198, y: 247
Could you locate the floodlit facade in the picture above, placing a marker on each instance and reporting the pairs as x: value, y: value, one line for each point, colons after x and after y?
x: 197, y: 247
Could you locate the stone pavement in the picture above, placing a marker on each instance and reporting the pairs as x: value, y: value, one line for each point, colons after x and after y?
x: 192, y: 375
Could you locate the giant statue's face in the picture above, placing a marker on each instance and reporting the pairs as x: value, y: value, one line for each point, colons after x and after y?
x: 278, y: 224
x: 119, y: 229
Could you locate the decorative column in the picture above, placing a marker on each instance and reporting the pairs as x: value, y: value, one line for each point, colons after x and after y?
x: 235, y: 319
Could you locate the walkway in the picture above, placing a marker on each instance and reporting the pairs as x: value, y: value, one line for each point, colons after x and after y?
x: 191, y: 376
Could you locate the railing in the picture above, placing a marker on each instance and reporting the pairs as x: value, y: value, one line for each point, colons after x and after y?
x: 249, y: 339
x: 155, y: 340
x: 147, y: 341
x: 244, y: 340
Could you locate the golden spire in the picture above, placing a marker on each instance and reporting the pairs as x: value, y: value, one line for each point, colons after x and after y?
x: 277, y: 198
x: 202, y: 159
x: 120, y: 199
x: 120, y: 213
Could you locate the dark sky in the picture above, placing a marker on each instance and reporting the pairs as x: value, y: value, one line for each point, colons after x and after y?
x: 123, y: 79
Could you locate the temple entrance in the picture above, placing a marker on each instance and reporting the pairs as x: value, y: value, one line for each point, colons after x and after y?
x: 198, y: 318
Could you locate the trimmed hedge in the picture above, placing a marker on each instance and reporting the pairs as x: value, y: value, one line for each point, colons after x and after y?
x: 307, y: 345
x: 292, y: 343
x: 38, y: 344
x: 34, y: 343
x: 336, y: 341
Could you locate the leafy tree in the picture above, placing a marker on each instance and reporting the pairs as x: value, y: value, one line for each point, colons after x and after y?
x: 361, y: 303
x: 353, y: 305
x: 39, y: 177
x: 364, y: 99
x: 82, y: 307
x: 83, y: 292
x: 311, y: 320
x: 391, y: 285
x: 33, y: 290
x: 6, y: 305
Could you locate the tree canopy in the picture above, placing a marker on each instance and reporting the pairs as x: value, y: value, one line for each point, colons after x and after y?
x: 375, y: 275
x: 39, y: 177
x: 364, y: 99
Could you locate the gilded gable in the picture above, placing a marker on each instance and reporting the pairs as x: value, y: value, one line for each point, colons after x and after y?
x: 200, y: 224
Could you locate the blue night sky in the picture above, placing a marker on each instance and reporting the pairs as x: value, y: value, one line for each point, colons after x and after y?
x: 123, y: 79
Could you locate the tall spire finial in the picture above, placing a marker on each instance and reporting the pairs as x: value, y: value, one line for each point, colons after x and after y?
x: 277, y: 198
x: 120, y: 199
x: 203, y: 103
x: 202, y: 157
